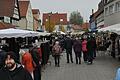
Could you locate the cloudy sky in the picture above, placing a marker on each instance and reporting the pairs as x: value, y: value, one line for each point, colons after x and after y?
x: 83, y: 6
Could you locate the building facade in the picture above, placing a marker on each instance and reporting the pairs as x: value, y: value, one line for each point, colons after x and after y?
x: 111, y: 12
x: 26, y: 21
x: 9, y: 12
x: 37, y: 21
x: 59, y: 19
x: 93, y: 21
x: 100, y: 15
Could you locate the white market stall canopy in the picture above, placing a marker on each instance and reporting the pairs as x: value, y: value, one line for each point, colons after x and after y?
x: 11, y: 32
x: 59, y: 32
x: 80, y: 32
x: 113, y: 28
x: 43, y: 34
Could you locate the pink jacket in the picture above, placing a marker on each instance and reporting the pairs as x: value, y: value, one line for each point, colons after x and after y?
x: 84, y: 45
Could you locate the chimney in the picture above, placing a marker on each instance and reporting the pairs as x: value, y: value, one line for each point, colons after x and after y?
x: 92, y: 11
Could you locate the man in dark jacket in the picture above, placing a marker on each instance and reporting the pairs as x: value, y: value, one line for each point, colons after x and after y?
x: 90, y: 51
x: 36, y: 59
x: 68, y: 47
x: 12, y: 70
x: 2, y: 56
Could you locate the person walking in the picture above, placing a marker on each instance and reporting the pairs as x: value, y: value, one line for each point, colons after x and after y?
x: 90, y: 50
x: 12, y: 70
x: 94, y: 46
x: 77, y: 49
x: 84, y: 49
x: 37, y: 63
x: 56, y: 53
x: 27, y: 62
x: 68, y: 47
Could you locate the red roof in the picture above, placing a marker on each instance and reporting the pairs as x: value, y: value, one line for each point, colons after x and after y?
x: 85, y: 26
x: 56, y: 17
x: 6, y: 25
x: 7, y: 8
x: 23, y: 5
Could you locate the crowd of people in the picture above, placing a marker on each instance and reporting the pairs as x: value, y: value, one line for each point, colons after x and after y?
x: 85, y: 45
x: 16, y: 64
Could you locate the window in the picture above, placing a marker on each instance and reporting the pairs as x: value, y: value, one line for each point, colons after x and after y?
x: 46, y: 20
x: 106, y: 1
x: 106, y: 11
x: 16, y: 11
x: 117, y: 6
x: 111, y: 8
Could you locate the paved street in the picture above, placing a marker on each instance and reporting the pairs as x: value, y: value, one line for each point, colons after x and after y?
x: 104, y: 68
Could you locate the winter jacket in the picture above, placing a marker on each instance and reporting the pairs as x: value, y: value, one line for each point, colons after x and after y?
x: 2, y: 57
x: 68, y: 43
x: 40, y: 53
x: 118, y: 74
x: 27, y: 61
x: 84, y: 45
x: 18, y: 74
x: 77, y: 46
x: 35, y: 56
x: 56, y: 50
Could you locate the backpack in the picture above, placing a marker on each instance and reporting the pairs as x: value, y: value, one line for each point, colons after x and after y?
x: 56, y: 49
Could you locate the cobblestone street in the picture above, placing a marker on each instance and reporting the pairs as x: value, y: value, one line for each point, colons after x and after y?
x: 103, y: 68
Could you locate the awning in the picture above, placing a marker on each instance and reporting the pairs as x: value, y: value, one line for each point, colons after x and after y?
x: 113, y: 28
x: 80, y: 32
x: 58, y: 32
x: 11, y: 32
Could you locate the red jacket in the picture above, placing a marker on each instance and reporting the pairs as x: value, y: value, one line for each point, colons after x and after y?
x: 27, y: 61
x: 40, y: 52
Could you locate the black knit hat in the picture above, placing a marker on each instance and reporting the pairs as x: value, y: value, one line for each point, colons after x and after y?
x: 12, y: 55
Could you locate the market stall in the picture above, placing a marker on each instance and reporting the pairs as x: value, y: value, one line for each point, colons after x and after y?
x: 11, y: 32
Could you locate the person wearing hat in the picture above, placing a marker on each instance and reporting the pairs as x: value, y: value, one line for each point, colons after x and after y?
x: 12, y: 70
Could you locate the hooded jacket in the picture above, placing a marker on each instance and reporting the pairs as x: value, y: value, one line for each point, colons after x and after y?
x: 18, y: 74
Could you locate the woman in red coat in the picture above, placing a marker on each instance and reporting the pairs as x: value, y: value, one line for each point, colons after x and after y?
x: 27, y: 61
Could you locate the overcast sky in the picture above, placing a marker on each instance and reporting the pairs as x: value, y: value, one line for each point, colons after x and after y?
x: 83, y: 6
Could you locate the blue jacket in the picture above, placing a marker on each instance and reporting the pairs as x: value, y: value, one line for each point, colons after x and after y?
x: 118, y: 74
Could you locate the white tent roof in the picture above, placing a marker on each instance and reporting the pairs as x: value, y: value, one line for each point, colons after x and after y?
x: 43, y: 34
x: 81, y: 32
x: 11, y: 32
x: 59, y: 32
x: 112, y: 28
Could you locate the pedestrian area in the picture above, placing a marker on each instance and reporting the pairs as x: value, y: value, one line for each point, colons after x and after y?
x: 103, y: 68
